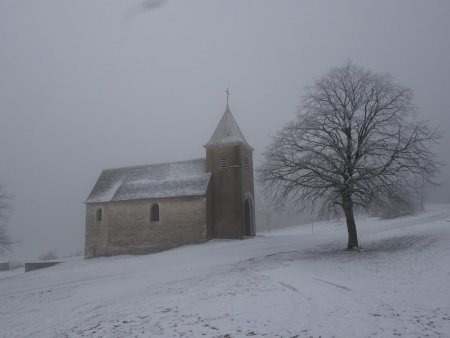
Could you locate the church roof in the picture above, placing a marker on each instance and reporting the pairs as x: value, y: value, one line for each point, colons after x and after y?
x: 227, y: 131
x: 188, y: 178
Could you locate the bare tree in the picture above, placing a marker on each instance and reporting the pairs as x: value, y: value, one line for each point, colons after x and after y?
x: 265, y: 208
x: 5, y: 241
x: 355, y: 143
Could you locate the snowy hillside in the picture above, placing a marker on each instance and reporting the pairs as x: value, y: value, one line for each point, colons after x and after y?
x: 289, y: 283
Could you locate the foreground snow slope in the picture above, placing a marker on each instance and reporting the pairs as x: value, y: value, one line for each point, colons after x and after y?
x: 283, y: 284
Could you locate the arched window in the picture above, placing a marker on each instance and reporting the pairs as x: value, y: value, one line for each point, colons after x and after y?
x: 154, y: 213
x: 99, y: 215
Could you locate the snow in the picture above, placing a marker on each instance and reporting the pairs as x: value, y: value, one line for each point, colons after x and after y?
x: 108, y: 192
x: 286, y: 283
x: 227, y: 131
x: 177, y: 179
x: 187, y: 178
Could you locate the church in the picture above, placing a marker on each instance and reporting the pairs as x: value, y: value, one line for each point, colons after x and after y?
x: 149, y: 208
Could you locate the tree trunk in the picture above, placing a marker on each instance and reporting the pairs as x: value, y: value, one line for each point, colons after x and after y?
x: 351, y: 225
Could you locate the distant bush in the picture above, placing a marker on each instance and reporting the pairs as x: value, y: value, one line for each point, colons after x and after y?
x: 394, y: 208
x: 48, y: 256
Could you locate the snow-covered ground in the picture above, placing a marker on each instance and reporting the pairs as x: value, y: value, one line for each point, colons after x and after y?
x: 288, y: 283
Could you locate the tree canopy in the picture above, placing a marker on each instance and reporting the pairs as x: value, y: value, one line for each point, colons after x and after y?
x: 355, y: 142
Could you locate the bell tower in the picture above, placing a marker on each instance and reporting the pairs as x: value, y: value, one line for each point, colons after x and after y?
x: 230, y: 159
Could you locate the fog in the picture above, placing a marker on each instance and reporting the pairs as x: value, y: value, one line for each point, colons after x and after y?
x: 93, y: 84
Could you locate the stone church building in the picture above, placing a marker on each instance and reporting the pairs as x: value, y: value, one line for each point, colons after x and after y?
x: 149, y: 208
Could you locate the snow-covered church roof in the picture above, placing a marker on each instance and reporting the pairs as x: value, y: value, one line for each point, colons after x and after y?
x: 188, y: 178
x: 227, y: 131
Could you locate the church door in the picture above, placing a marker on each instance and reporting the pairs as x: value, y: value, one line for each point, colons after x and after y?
x: 248, y: 218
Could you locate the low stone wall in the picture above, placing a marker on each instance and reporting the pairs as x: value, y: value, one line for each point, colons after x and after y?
x: 4, y: 266
x: 38, y: 265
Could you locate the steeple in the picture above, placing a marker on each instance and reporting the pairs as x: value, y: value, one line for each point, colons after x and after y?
x: 230, y: 160
x: 227, y: 131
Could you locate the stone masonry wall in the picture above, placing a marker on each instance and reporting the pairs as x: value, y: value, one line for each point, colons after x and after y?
x: 232, y: 184
x: 227, y: 190
x: 126, y: 227
x: 247, y: 186
x: 39, y: 265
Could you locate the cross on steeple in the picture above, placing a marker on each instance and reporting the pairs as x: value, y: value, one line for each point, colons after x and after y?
x: 228, y: 94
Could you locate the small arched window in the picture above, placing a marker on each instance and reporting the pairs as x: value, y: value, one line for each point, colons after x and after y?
x: 154, y: 213
x: 99, y: 215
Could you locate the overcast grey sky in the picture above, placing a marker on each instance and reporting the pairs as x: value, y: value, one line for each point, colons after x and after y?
x: 93, y: 84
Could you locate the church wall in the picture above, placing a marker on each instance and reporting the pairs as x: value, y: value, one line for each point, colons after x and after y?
x: 227, y: 191
x: 96, y: 235
x: 247, y: 183
x: 127, y: 228
x: 210, y: 211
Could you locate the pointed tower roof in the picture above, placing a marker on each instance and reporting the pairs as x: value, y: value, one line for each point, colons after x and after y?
x: 227, y: 132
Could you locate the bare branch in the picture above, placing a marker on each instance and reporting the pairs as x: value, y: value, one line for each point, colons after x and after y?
x: 354, y: 143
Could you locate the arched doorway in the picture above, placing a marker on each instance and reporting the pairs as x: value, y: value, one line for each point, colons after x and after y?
x: 248, y: 215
